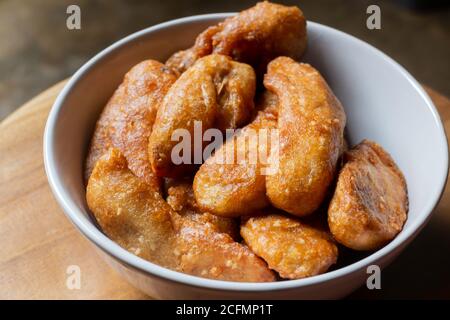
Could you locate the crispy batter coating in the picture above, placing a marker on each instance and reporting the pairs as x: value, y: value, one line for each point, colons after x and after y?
x: 206, y: 244
x: 239, y: 187
x: 130, y: 212
x: 370, y: 204
x: 216, y: 255
x: 215, y: 92
x: 292, y: 248
x: 311, y: 123
x: 134, y: 215
x: 127, y: 119
x: 181, y: 199
x: 254, y: 36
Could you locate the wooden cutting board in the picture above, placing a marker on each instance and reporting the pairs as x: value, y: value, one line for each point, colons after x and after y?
x: 38, y: 243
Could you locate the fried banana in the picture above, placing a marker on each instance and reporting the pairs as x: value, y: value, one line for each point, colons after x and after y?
x: 215, y: 255
x: 131, y: 212
x: 292, y: 248
x: 254, y: 36
x: 238, y: 187
x: 311, y: 124
x: 370, y: 204
x: 127, y: 120
x: 215, y: 92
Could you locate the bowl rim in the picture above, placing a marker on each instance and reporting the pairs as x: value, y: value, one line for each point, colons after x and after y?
x: 90, y: 231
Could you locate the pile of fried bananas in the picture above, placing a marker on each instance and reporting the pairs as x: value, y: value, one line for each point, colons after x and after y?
x: 232, y: 221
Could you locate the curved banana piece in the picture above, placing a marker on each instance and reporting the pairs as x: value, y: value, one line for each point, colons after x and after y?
x: 239, y: 187
x: 127, y: 119
x: 311, y: 124
x: 254, y: 36
x: 215, y: 92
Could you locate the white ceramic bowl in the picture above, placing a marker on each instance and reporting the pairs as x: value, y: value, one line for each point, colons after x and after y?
x: 382, y: 101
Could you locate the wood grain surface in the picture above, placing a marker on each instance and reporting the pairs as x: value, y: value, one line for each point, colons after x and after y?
x: 38, y: 243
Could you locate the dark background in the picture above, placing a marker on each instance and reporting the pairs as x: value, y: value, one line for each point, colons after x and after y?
x: 37, y: 50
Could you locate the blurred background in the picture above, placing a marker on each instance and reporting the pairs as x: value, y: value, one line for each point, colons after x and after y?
x: 37, y: 50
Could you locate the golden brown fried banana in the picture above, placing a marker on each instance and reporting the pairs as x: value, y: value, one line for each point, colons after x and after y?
x: 181, y: 198
x: 215, y: 255
x: 370, y: 204
x: 254, y: 36
x: 130, y: 212
x: 239, y: 188
x: 134, y: 215
x: 292, y: 248
x: 311, y: 123
x: 127, y: 119
x: 215, y: 92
